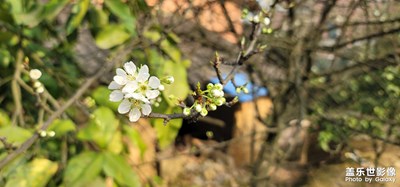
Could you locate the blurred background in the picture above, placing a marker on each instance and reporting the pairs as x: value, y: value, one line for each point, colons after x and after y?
x: 323, y: 82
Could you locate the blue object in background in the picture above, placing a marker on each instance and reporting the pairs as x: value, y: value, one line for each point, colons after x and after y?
x: 240, y: 80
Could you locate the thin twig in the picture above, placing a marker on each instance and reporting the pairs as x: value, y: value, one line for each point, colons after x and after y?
x: 367, y: 37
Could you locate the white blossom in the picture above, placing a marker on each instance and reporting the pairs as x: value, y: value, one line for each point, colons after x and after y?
x: 135, y: 89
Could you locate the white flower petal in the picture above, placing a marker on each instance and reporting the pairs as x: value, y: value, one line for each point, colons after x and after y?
x: 130, y: 68
x: 144, y: 100
x: 151, y: 94
x: 130, y: 87
x: 120, y: 80
x: 116, y: 95
x: 143, y: 74
x: 146, y: 109
x: 114, y: 86
x: 154, y: 82
x: 134, y: 115
x: 124, y: 107
x: 120, y: 72
x: 136, y: 96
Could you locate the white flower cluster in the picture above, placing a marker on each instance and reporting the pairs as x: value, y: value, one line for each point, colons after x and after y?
x: 136, y: 89
x: 211, y: 98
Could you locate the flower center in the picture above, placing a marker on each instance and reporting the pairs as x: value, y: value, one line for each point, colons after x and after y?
x: 143, y: 88
x: 135, y: 103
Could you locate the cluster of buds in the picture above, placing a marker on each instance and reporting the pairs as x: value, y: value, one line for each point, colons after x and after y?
x: 35, y: 74
x: 47, y: 133
x: 206, y: 100
x: 256, y: 18
x: 241, y: 89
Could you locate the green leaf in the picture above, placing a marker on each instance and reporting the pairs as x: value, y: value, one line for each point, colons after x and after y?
x: 4, y: 119
x: 13, y: 166
x: 5, y: 36
x: 53, y: 8
x: 98, y: 18
x: 122, y: 11
x: 102, y: 97
x: 82, y: 169
x: 82, y: 7
x: 16, y: 6
x: 51, y: 84
x: 156, y: 61
x: 5, y: 58
x: 166, y: 134
x: 118, y: 168
x: 115, y: 144
x: 101, y: 127
x: 324, y: 138
x: 31, y: 18
x: 111, y: 35
x: 37, y: 173
x: 61, y: 127
x: 171, y: 50
x: 154, y: 36
x: 14, y: 134
x: 98, y: 182
x: 180, y: 88
x: 136, y: 139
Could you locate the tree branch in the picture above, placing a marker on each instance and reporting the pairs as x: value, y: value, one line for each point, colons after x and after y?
x: 367, y: 37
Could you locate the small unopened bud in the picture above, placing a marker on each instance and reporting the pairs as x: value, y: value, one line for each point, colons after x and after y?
x: 213, y: 107
x: 219, y: 86
x: 172, y: 97
x: 210, y: 86
x: 261, y: 48
x: 186, y: 111
x: 204, y: 112
x: 161, y: 87
x: 51, y: 133
x: 256, y: 19
x: 43, y: 133
x: 220, y: 101
x: 156, y: 104
x: 238, y: 90
x: 35, y: 74
x: 235, y: 99
x: 37, y: 84
x: 198, y: 107
x: 40, y: 89
x: 210, y: 134
x: 267, y: 21
x: 168, y: 80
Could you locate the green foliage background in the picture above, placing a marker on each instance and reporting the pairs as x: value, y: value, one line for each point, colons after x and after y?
x: 86, y: 148
x: 90, y: 141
